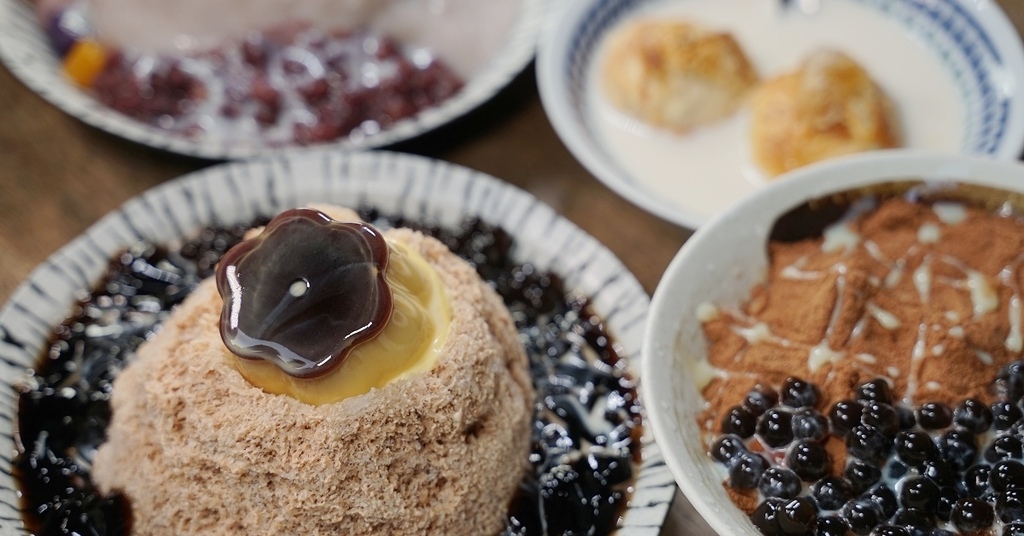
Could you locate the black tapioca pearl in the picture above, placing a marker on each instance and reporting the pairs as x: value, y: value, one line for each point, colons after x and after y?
x: 913, y: 448
x: 975, y: 480
x: 1010, y: 505
x: 746, y: 470
x: 1009, y: 382
x: 606, y: 470
x: 809, y: 460
x: 1005, y: 414
x: 766, y: 515
x: 876, y: 390
x: 739, y: 421
x: 775, y: 427
x: 798, y: 516
x: 861, y: 475
x: 958, y: 448
x: 971, y: 515
x: 797, y: 393
x: 561, y: 491
x: 1013, y: 529
x: 919, y: 492
x: 862, y: 515
x: 868, y: 444
x: 1004, y: 447
x: 809, y: 423
x: 885, y: 497
x: 844, y: 415
x: 726, y: 448
x: 831, y: 525
x: 1006, y: 474
x: 973, y: 415
x: 890, y: 530
x: 917, y: 522
x: 939, y: 471
x: 881, y: 416
x: 948, y: 496
x: 760, y: 399
x: 779, y: 482
x: 831, y: 492
x: 934, y: 416
x: 907, y: 417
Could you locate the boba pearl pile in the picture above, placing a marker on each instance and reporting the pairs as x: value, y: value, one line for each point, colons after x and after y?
x: 928, y: 470
x: 586, y: 427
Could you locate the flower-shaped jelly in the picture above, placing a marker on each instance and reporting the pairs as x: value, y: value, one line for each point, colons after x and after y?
x: 304, y: 292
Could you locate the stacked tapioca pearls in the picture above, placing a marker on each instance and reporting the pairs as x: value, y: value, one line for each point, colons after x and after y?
x: 931, y: 470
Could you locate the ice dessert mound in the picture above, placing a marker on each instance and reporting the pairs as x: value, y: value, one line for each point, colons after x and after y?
x: 418, y: 429
x: 873, y: 382
x: 586, y: 423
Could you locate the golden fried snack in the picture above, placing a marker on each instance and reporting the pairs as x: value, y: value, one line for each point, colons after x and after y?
x: 676, y: 74
x: 828, y: 107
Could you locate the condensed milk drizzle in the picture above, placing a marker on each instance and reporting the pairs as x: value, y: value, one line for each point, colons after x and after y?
x: 932, y: 273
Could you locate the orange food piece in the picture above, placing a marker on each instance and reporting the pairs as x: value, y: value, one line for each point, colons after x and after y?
x: 85, y: 61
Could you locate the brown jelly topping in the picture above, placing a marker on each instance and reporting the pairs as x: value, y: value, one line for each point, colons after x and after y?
x: 304, y: 292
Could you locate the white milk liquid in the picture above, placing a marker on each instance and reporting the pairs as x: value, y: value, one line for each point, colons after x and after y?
x: 704, y: 171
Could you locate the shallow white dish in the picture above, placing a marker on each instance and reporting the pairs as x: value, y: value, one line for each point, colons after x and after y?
x: 962, y: 53
x: 706, y: 272
x: 25, y: 50
x: 413, y: 187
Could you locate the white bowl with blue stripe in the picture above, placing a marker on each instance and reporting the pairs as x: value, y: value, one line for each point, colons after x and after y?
x: 705, y: 272
x: 974, y: 56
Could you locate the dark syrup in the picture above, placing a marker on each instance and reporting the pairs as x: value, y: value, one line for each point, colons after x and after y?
x: 586, y: 428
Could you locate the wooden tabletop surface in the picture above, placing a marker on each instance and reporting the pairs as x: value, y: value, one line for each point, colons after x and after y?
x: 58, y: 176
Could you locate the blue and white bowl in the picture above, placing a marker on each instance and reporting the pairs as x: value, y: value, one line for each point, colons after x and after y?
x: 412, y: 187
x: 977, y: 55
x: 25, y: 50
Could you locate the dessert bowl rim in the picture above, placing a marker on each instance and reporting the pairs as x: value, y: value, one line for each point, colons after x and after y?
x: 673, y: 401
x: 395, y: 183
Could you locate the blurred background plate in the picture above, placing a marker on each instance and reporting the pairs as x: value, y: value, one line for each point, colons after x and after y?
x: 25, y: 50
x: 954, y: 69
x: 416, y: 188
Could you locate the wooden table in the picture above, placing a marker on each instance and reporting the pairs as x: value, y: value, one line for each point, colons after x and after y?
x: 58, y: 176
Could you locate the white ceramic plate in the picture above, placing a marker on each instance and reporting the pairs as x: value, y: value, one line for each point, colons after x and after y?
x: 400, y: 185
x: 953, y: 68
x: 705, y: 272
x: 26, y: 51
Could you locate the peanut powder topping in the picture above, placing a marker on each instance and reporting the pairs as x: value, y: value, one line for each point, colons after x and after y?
x: 925, y: 295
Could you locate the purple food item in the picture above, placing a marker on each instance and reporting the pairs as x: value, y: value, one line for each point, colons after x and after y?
x: 64, y: 25
x: 301, y: 87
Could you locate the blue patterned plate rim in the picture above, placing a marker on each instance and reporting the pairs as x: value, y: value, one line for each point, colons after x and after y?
x: 397, y: 184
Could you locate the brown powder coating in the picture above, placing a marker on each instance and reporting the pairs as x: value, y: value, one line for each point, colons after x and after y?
x: 198, y: 450
x: 842, y: 297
